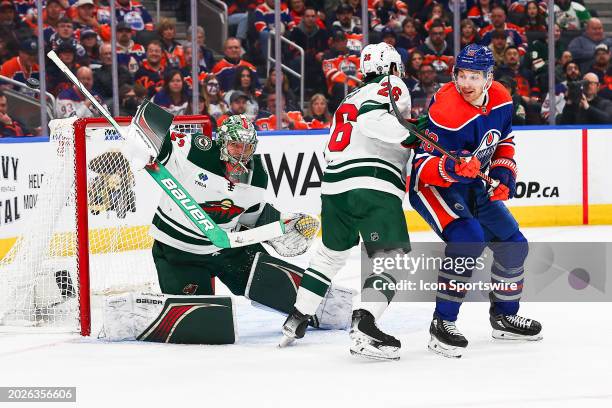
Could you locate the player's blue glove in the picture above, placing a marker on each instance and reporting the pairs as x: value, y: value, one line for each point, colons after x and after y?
x: 503, y: 170
x: 463, y: 171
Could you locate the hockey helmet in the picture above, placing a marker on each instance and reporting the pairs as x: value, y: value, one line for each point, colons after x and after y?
x: 476, y: 58
x: 237, y: 140
x: 377, y: 59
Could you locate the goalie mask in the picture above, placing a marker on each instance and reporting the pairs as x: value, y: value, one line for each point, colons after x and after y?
x: 379, y: 59
x: 237, y: 140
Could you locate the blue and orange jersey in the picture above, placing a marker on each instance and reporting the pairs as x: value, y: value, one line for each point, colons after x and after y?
x: 135, y: 51
x: 102, y: 13
x: 13, y: 129
x: 264, y: 17
x: 513, y: 31
x: 15, y: 70
x: 339, y: 69
x: 225, y: 71
x: 22, y: 6
x: 269, y: 122
x: 151, y: 79
x: 458, y: 125
x: 135, y: 15
x: 242, y: 6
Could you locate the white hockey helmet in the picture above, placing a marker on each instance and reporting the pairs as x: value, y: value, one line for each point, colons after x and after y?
x: 377, y: 59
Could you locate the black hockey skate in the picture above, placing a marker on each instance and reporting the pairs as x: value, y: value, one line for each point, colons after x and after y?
x: 515, y: 327
x: 446, y: 339
x: 369, y: 341
x: 294, y: 327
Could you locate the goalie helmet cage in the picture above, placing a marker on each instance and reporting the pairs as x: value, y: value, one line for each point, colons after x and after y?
x: 63, y: 258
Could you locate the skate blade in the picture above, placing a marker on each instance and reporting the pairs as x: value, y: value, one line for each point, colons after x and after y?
x: 370, y: 352
x: 444, y: 349
x: 286, y: 341
x: 503, y: 335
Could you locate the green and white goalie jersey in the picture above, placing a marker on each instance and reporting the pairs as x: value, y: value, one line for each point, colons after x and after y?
x: 364, y: 148
x: 194, y: 161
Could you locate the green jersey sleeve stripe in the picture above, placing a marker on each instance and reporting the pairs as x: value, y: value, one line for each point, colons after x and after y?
x: 174, y: 233
x: 375, y: 172
x: 346, y: 163
x: 365, y: 108
x: 176, y: 225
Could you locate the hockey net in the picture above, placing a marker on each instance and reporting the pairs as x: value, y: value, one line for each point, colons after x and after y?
x: 88, y: 234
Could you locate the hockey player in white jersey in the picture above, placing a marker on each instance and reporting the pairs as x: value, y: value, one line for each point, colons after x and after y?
x: 362, y: 190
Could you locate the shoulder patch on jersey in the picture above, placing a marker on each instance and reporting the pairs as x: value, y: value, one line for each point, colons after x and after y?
x: 202, y: 142
x: 448, y: 99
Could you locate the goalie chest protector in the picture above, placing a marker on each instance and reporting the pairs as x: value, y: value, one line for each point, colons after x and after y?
x: 194, y: 161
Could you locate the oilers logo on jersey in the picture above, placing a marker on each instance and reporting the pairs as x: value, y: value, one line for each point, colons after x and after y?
x: 488, y: 145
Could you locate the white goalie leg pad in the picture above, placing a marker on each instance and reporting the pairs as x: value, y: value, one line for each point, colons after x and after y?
x: 334, y: 312
x: 124, y: 319
x: 326, y: 262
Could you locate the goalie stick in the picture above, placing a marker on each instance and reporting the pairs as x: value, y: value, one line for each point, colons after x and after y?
x: 410, y: 128
x: 171, y: 186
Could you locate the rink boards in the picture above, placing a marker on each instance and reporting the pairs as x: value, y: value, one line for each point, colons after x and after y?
x: 562, y: 180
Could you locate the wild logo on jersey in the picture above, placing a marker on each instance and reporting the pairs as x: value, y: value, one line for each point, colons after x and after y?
x: 222, y: 211
x: 487, y: 147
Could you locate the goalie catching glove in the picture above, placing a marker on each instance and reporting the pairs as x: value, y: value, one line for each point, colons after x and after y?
x: 300, y: 231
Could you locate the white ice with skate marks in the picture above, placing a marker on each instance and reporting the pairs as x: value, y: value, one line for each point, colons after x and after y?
x: 569, y: 368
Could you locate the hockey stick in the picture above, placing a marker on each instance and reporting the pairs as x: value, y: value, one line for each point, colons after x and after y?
x: 173, y: 188
x: 410, y: 128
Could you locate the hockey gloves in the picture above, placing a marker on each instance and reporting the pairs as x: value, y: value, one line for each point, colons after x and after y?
x: 419, y: 125
x: 463, y: 171
x: 503, y: 170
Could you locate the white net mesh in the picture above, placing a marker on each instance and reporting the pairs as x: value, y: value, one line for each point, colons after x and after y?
x: 39, y: 279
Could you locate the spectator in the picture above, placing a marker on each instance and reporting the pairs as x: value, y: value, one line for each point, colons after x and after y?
x: 264, y: 22
x: 173, y: 52
x: 186, y: 70
x: 534, y: 18
x: 570, y: 15
x: 129, y: 99
x: 584, y: 106
x: 318, y: 113
x: 346, y: 21
x: 525, y: 83
x: 103, y: 80
x: 424, y: 89
x: 409, y: 38
x: 389, y: 14
x: 437, y: 13
x: 480, y: 13
x: 290, y: 120
x: 314, y: 40
x: 51, y: 15
x: 174, y: 95
x: 245, y: 83
x: 65, y: 33
x: 603, y: 69
x: 225, y: 69
x: 151, y: 73
x: 129, y: 53
x: 85, y: 16
x: 571, y: 73
x: 498, y: 46
x: 237, y: 106
x: 390, y: 37
x: 519, y: 111
x: 10, y: 20
x: 270, y: 87
x: 536, y: 58
x: 498, y: 22
x: 134, y: 14
x: 437, y: 51
x: 8, y: 45
x: 583, y: 47
x: 70, y: 102
x: 56, y: 79
x: 207, y: 59
x: 412, y: 68
x: 9, y: 127
x: 24, y: 65
x: 469, y: 33
x: 341, y: 70
x: 238, y: 17
x: 213, y: 102
x: 91, y: 43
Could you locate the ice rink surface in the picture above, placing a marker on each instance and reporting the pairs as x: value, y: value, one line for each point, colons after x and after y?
x: 571, y: 367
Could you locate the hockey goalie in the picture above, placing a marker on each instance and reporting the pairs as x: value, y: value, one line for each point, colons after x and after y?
x: 228, y: 180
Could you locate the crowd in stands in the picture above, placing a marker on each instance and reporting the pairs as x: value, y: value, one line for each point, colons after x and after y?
x: 154, y: 64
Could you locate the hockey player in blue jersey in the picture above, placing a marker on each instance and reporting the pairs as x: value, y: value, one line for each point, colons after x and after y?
x: 472, y: 117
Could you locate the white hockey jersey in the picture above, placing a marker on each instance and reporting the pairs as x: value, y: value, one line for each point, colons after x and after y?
x: 364, y: 149
x: 194, y: 161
